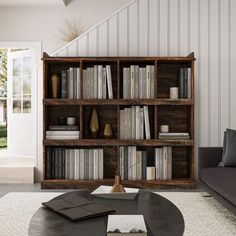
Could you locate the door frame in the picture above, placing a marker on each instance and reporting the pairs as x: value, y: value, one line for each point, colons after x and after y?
x: 37, y: 47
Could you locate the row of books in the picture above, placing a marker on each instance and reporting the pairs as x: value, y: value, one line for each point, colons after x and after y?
x: 97, y: 82
x: 62, y: 134
x: 70, y: 83
x: 134, y: 123
x: 84, y: 164
x: 185, y: 83
x: 176, y: 136
x: 138, y: 82
x: 163, y: 163
x: 133, y: 163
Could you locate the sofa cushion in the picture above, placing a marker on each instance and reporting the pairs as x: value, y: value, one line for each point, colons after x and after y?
x: 221, y: 180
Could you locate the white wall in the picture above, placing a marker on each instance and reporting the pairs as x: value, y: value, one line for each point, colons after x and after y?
x: 177, y: 27
x: 42, y: 23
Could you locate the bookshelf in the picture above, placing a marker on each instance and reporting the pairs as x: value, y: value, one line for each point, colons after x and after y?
x: 177, y: 113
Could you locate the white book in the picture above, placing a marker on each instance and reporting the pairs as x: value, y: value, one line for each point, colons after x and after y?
x: 165, y: 161
x: 61, y: 137
x: 88, y: 83
x: 157, y: 162
x: 122, y: 156
x: 91, y: 154
x: 86, y: 163
x: 122, y: 124
x: 136, y: 81
x: 72, y: 163
x: 169, y: 162
x: 140, y: 83
x: 130, y: 161
x: 77, y: 160
x: 81, y: 164
x: 71, y: 83
x: 134, y: 162
x: 129, y: 123
x: 104, y: 84
x: 85, y: 84
x: 137, y: 123
x: 133, y: 122
x: 139, y: 165
x: 62, y: 133
x: 152, y: 78
x: 100, y: 79
x: 95, y: 82
x: 146, y: 123
x: 78, y: 83
x: 100, y: 164
x: 132, y: 83
x: 161, y: 163
x: 148, y: 82
x: 129, y: 225
x: 174, y: 134
x: 141, y: 124
x: 126, y: 123
x: 144, y: 83
x: 128, y: 84
x: 95, y: 164
x: 109, y: 82
x: 125, y: 82
x: 92, y: 82
x: 189, y: 82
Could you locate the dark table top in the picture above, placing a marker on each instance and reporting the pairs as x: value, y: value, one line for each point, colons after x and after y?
x: 162, y: 217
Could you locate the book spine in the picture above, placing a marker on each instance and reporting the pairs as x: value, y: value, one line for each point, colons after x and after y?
x: 144, y: 165
x: 148, y: 82
x: 126, y: 123
x: 146, y: 123
x: 141, y: 124
x: 90, y: 164
x: 86, y: 161
x: 189, y: 83
x: 165, y: 159
x: 132, y: 81
x: 104, y: 84
x: 78, y: 83
x: 169, y: 163
x: 63, y: 163
x: 140, y: 95
x: 100, y: 164
x: 139, y: 165
x: 122, y: 123
x: 125, y: 83
x: 125, y: 163
x: 95, y: 83
x: 48, y: 163
x: 157, y: 163
x: 161, y: 164
x: 66, y: 164
x: 74, y: 82
x: 144, y: 80
x: 136, y: 81
x: 59, y: 163
x: 71, y: 83
x: 109, y: 82
x: 100, y: 82
x: 137, y: 123
x: 128, y: 89
x: 88, y: 88
x: 92, y: 83
x: 130, y: 170
x: 84, y: 84
x: 77, y: 160
x: 133, y: 122
x: 152, y: 78
x: 81, y: 164
x: 122, y: 162
x: 63, y: 128
x: 134, y: 163
x: 64, y: 94
x: 96, y: 165
x: 129, y: 123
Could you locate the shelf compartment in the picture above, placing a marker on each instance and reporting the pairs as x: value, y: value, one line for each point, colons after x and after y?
x: 91, y: 184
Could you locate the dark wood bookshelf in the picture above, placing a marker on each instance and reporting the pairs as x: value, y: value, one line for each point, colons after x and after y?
x: 177, y: 113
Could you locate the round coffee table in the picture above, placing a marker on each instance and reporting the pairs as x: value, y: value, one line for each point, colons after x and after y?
x: 162, y: 217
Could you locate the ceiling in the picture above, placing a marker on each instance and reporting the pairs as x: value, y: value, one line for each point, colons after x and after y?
x: 18, y: 3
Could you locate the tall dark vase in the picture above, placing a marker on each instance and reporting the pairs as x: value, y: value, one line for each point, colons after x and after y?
x: 94, y: 124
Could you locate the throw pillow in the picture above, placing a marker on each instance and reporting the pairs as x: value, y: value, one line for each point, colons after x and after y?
x: 229, y: 148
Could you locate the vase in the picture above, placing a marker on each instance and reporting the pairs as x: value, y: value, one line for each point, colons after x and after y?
x: 94, y: 124
x: 56, y: 82
x: 108, y: 132
x: 117, y: 187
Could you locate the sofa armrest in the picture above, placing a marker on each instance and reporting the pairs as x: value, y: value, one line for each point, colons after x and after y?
x: 209, y: 157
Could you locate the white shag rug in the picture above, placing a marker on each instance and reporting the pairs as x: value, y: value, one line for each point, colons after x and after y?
x: 203, y: 216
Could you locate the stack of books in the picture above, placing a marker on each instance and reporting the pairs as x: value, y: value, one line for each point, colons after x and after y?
x: 185, y: 83
x: 175, y: 136
x: 97, y: 81
x: 133, y: 122
x: 138, y: 82
x: 62, y: 132
x: 163, y: 163
x: 70, y: 83
x: 76, y: 164
x: 133, y: 163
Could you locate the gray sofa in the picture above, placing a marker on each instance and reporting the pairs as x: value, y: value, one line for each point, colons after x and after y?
x: 219, y: 182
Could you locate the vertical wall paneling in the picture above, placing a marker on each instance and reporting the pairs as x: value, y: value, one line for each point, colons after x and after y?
x: 163, y: 27
x: 123, y: 32
x: 143, y: 27
x: 174, y: 27
x: 203, y: 73
x: 184, y: 21
x: 213, y: 61
x: 102, y: 39
x: 133, y: 29
x: 92, y: 42
x: 153, y: 27
x: 232, y: 65
x: 113, y: 50
x: 174, y: 33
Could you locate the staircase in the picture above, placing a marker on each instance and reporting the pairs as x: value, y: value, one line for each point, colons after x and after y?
x: 16, y: 169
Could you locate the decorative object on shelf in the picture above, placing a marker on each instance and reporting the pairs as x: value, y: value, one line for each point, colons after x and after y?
x: 150, y: 172
x: 108, y: 132
x: 94, y: 124
x: 164, y: 128
x: 61, y: 120
x: 70, y: 120
x: 117, y: 187
x: 174, y: 93
x: 55, y: 83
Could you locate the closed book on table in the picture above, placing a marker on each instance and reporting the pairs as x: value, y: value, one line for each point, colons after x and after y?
x: 129, y: 225
x: 77, y: 208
